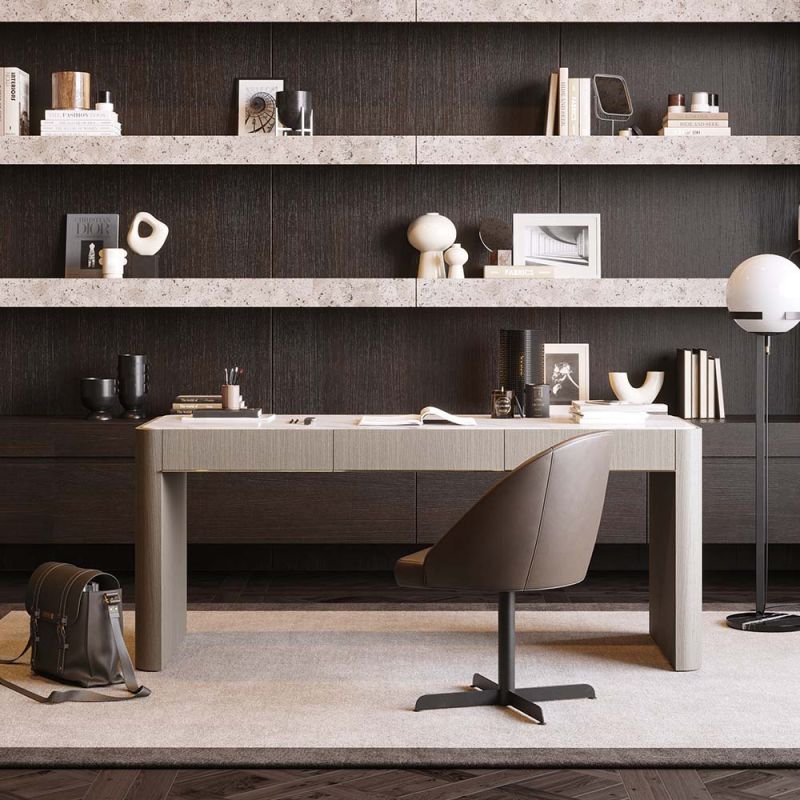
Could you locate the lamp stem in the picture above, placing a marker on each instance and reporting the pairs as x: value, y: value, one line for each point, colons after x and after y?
x: 762, y: 474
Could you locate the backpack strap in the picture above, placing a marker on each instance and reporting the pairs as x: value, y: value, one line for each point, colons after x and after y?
x: 112, y: 603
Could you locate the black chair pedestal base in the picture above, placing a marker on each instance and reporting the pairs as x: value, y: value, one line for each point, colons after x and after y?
x: 505, y: 693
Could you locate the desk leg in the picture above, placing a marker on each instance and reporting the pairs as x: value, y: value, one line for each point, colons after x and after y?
x: 676, y: 553
x: 160, y: 556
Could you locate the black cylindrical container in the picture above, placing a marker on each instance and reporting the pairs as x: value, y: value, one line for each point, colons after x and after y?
x: 99, y: 395
x: 537, y: 400
x: 521, y: 360
x: 134, y: 384
x: 290, y: 110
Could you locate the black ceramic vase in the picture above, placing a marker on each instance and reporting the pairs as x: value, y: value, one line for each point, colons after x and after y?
x: 99, y: 396
x: 134, y: 383
x: 290, y: 110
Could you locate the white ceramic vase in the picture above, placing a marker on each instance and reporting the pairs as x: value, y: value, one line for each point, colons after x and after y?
x: 646, y: 393
x: 431, y: 234
x: 113, y: 261
x: 456, y: 256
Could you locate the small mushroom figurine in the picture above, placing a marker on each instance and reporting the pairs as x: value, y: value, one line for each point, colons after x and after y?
x: 151, y: 244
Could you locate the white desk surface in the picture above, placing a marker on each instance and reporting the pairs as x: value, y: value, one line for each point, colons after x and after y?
x: 558, y: 421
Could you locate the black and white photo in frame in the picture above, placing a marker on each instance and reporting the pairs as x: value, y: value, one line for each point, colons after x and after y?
x: 258, y: 108
x: 566, y: 369
x: 561, y: 245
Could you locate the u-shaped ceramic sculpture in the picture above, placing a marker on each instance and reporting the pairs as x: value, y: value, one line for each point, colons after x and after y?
x: 147, y: 245
x: 646, y: 393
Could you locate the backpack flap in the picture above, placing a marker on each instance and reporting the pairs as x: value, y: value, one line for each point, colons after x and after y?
x: 55, y: 590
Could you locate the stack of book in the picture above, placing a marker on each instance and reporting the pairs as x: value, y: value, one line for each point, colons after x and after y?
x: 569, y: 105
x: 700, y: 393
x: 695, y: 123
x: 89, y: 122
x: 187, y: 404
x: 616, y: 412
x: 15, y: 111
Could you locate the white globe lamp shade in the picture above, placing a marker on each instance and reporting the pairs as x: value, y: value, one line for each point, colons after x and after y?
x: 769, y: 285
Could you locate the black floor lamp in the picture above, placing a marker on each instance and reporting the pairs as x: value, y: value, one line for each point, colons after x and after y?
x: 763, y: 296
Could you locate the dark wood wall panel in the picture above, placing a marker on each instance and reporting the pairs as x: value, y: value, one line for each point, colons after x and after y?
x: 219, y: 218
x: 187, y: 350
x: 344, y: 507
x: 332, y: 222
x: 645, y: 339
x: 685, y: 222
x: 391, y: 361
x: 751, y: 67
x: 165, y: 79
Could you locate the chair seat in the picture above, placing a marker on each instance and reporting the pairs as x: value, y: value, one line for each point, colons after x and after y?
x: 410, y: 569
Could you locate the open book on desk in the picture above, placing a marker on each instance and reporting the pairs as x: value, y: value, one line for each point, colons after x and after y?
x: 429, y: 415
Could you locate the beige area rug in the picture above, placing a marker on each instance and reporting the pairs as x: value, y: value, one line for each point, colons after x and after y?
x: 337, y: 687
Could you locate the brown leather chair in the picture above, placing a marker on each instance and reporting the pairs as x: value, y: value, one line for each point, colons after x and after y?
x: 534, y: 530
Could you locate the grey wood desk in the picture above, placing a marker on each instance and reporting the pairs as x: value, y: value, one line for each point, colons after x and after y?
x: 167, y: 449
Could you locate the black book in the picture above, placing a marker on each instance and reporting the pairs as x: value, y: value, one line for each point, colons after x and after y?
x: 227, y: 413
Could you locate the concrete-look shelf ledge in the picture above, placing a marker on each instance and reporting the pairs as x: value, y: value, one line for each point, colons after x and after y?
x: 596, y: 150
x: 311, y: 150
x: 402, y: 11
x: 573, y: 293
x: 208, y: 293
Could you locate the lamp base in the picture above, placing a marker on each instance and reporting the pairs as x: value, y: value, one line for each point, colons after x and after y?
x: 768, y: 622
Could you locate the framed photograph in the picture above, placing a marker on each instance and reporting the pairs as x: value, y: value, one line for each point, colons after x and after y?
x: 258, y: 111
x: 560, y: 245
x: 87, y: 235
x: 566, y: 369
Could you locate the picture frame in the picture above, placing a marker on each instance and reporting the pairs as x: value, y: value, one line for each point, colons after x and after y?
x: 566, y: 369
x: 558, y: 245
x: 257, y: 110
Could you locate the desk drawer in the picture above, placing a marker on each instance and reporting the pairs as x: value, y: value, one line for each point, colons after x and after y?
x: 418, y: 449
x: 248, y: 451
x: 645, y: 450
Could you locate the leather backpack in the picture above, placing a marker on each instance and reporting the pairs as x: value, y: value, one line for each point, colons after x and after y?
x: 76, y: 634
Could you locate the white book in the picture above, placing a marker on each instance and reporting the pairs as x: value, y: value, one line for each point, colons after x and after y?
x: 254, y: 421
x: 81, y: 133
x: 552, y: 102
x: 622, y: 419
x: 696, y: 123
x: 15, y: 102
x: 695, y: 132
x: 720, y: 398
x: 695, y: 385
x: 563, y: 101
x: 574, y: 106
x: 711, y: 385
x: 91, y: 114
x: 684, y: 383
x: 702, y: 372
x: 617, y: 407
x: 585, y: 107
x: 429, y: 414
x: 496, y: 271
x: 81, y: 124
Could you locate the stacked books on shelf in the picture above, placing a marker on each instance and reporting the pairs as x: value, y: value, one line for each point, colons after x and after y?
x: 700, y: 394
x: 15, y: 112
x: 616, y: 412
x: 186, y: 404
x: 695, y: 123
x: 569, y: 105
x: 81, y: 122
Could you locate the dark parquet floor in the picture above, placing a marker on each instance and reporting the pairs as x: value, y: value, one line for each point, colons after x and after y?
x: 407, y: 784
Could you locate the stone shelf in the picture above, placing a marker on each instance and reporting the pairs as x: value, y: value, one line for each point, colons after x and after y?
x: 360, y: 293
x: 402, y: 11
x: 571, y: 293
x: 599, y: 150
x: 428, y: 150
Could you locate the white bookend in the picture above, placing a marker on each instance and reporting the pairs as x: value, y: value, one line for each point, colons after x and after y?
x: 574, y: 106
x: 563, y: 101
x: 585, y: 107
x: 695, y: 132
x: 720, y: 397
x: 685, y: 383
x: 552, y: 102
x: 702, y: 371
x: 695, y: 384
x: 711, y: 384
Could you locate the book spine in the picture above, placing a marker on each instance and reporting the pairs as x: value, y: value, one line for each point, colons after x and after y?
x: 574, y: 106
x: 697, y: 115
x: 552, y: 100
x: 711, y: 383
x: 695, y: 384
x: 2, y: 101
x: 494, y: 271
x: 695, y: 123
x: 585, y: 106
x: 10, y: 102
x: 703, y: 384
x: 695, y: 132
x: 563, y: 101
x: 720, y: 397
x: 195, y: 406
x: 80, y: 124
x: 59, y: 114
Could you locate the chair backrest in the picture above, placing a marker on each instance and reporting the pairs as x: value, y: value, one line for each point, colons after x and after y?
x: 535, y: 529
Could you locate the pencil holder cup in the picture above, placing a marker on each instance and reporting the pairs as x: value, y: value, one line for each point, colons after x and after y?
x: 113, y: 261
x: 230, y: 396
